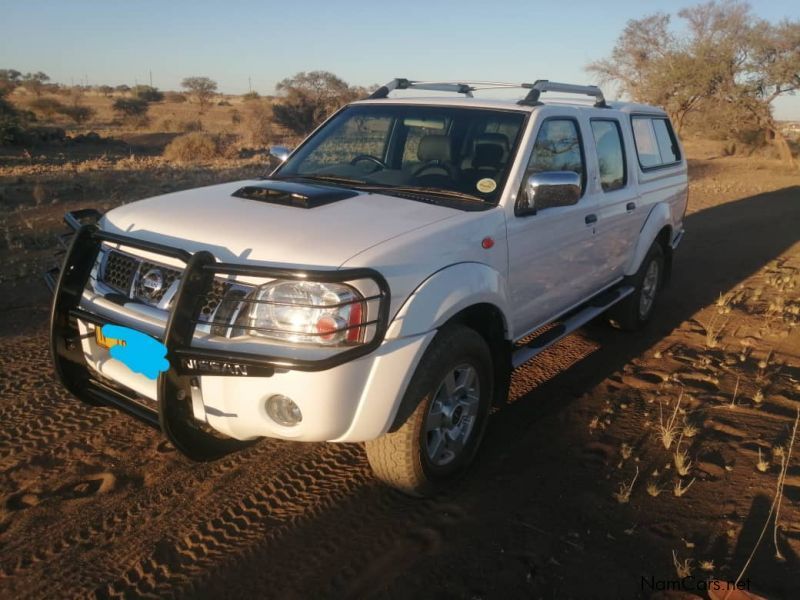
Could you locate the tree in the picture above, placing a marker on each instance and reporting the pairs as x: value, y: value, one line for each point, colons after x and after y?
x: 725, y: 62
x: 9, y: 79
x: 106, y: 90
x: 308, y: 98
x: 35, y: 82
x: 202, y: 88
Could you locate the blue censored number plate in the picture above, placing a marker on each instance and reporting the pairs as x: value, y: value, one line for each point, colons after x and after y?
x: 136, y: 350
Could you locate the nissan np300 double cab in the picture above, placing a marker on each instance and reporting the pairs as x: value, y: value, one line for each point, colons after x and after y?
x: 382, y: 283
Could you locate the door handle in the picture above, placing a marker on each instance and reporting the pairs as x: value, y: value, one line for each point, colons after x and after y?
x: 631, y: 206
x: 591, y: 219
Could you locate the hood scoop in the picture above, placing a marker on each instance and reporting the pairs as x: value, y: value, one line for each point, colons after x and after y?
x: 291, y: 193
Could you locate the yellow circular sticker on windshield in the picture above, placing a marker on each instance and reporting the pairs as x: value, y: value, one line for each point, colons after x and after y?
x: 486, y: 185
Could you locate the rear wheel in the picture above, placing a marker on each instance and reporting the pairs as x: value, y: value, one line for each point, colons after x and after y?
x: 635, y: 311
x: 447, y: 403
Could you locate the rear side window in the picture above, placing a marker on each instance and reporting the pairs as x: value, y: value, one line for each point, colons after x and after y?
x: 610, y: 154
x: 656, y: 144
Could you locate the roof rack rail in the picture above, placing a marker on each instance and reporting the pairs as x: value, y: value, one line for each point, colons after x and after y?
x: 543, y: 85
x: 467, y: 87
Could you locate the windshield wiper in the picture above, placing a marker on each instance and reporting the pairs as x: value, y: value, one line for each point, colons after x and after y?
x: 325, y: 179
x: 431, y: 191
x: 384, y: 187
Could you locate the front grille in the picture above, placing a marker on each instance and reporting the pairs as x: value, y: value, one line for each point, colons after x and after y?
x: 119, y: 271
x: 214, y: 297
x: 149, y: 282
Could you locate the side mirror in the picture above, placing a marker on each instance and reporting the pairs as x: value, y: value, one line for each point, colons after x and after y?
x: 279, y: 153
x: 547, y: 190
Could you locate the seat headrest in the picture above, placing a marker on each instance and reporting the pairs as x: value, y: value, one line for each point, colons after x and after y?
x: 488, y: 155
x: 434, y: 147
x: 499, y: 139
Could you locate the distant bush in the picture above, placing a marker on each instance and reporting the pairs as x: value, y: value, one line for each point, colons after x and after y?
x: 259, y: 123
x: 250, y: 96
x: 190, y: 126
x: 223, y: 102
x: 11, y: 126
x: 47, y: 107
x: 147, y: 93
x: 194, y: 146
x: 79, y: 114
x: 175, y: 97
x: 131, y: 107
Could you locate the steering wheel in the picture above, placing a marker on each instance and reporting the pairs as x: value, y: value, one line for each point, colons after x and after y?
x: 435, y: 164
x: 374, y: 159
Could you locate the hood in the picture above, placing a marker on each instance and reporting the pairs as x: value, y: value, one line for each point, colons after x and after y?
x: 328, y: 228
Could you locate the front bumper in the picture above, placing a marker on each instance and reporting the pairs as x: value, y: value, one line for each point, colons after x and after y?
x: 348, y: 396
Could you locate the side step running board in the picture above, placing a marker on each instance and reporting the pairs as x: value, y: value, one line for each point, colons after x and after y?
x: 574, y: 320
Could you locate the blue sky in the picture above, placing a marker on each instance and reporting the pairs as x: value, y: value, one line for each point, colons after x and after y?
x: 364, y: 42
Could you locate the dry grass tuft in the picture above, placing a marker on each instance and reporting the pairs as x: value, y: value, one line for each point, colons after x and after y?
x: 623, y: 495
x: 683, y: 569
x: 762, y: 464
x: 682, y: 462
x: 668, y: 429
x: 679, y: 490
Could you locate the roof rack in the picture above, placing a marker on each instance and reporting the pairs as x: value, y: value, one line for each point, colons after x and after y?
x: 467, y: 87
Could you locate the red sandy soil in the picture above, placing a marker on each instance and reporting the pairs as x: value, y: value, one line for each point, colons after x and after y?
x: 93, y: 503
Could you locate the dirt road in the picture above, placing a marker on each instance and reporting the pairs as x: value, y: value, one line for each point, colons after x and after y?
x: 93, y: 503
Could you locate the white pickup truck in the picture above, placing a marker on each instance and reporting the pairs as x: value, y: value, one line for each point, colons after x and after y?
x: 382, y: 283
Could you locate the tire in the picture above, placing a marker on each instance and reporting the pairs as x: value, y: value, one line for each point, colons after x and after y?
x: 635, y: 311
x: 438, y: 439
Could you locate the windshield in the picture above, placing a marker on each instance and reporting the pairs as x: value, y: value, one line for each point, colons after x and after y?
x: 433, y: 149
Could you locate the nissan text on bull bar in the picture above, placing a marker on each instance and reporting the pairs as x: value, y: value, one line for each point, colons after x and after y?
x: 381, y: 284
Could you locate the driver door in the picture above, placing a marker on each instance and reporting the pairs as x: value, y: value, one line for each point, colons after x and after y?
x: 551, y: 252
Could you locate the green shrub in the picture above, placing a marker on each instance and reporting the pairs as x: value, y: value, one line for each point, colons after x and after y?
x: 250, y: 96
x: 194, y: 146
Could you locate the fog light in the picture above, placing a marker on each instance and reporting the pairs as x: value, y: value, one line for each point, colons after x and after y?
x: 283, y: 410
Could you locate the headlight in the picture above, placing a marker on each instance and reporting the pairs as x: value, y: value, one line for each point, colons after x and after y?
x: 328, y: 314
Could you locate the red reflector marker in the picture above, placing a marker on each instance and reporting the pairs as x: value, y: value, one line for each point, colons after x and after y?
x: 487, y: 243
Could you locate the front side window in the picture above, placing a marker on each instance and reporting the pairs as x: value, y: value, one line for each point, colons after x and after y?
x: 433, y: 149
x: 557, y: 148
x: 610, y: 154
x: 656, y: 144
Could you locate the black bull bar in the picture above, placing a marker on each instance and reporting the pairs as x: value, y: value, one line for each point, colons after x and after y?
x: 174, y: 415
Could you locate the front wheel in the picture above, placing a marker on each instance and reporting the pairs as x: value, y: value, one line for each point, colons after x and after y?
x: 447, y: 403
